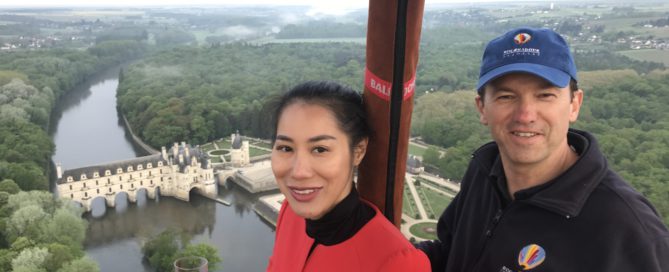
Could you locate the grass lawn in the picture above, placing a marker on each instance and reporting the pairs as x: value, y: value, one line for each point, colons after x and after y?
x: 215, y: 159
x: 224, y: 144
x: 416, y: 150
x: 257, y: 152
x: 219, y: 152
x: 437, y: 201
x: 408, y: 205
x: 207, y: 147
x: 261, y: 144
x: 654, y: 55
x: 425, y: 230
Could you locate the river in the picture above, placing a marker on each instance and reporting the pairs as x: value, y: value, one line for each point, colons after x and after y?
x: 86, y: 131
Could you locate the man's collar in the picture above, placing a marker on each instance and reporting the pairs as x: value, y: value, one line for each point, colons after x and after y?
x: 567, y: 193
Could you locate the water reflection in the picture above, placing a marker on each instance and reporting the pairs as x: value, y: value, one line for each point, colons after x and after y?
x: 87, y: 130
x: 152, y: 216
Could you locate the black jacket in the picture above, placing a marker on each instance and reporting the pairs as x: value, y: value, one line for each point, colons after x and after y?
x: 586, y: 219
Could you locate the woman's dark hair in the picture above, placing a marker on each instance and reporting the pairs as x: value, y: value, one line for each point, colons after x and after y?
x: 344, y: 103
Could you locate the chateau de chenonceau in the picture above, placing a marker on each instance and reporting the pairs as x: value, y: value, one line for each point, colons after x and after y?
x: 170, y: 173
x: 174, y: 172
x: 183, y: 169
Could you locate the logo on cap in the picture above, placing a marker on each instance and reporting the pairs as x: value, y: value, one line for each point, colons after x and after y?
x: 531, y: 256
x: 522, y: 38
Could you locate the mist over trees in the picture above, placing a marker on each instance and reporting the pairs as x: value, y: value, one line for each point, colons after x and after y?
x: 200, y: 94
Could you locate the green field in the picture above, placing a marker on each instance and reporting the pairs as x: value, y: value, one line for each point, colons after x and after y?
x: 215, y: 159
x: 416, y: 150
x: 219, y: 152
x: 224, y: 143
x: 257, y: 152
x: 654, y: 55
x: 261, y: 144
x: 315, y: 40
x: 409, y: 206
x: 426, y: 230
x: 207, y: 147
x: 437, y: 201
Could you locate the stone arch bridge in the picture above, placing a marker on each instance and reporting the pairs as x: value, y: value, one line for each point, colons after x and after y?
x: 174, y: 172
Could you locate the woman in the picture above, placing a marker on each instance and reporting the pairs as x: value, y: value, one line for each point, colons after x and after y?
x: 320, y: 137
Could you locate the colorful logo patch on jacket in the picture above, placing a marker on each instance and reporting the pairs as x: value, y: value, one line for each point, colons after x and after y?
x: 531, y: 256
x: 522, y: 38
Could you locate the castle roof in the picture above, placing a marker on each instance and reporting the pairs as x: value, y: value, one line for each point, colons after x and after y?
x: 143, y: 161
x: 112, y: 166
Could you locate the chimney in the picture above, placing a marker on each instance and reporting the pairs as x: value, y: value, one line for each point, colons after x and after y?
x: 164, y: 152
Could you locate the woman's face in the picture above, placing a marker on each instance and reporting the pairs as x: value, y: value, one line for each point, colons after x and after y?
x: 312, y: 159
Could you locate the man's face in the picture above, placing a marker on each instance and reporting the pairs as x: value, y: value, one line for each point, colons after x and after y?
x: 528, y: 118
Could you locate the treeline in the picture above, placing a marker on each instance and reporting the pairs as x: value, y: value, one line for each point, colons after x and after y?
x: 37, y: 231
x: 322, y: 29
x: 662, y: 22
x: 623, y: 109
x: 30, y: 84
x: 200, y: 94
x: 450, y: 59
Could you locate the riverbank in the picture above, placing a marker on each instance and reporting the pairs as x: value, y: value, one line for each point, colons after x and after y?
x: 138, y: 141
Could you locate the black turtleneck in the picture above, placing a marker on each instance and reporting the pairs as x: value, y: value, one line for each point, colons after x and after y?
x: 342, y: 222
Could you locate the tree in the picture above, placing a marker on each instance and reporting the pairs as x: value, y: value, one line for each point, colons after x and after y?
x: 67, y: 228
x: 26, y: 221
x: 58, y: 256
x: 161, y: 250
x: 30, y: 260
x: 203, y: 250
x: 80, y: 265
x: 9, y: 186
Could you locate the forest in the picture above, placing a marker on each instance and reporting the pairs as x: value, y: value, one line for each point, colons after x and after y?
x: 37, y: 231
x: 200, y: 94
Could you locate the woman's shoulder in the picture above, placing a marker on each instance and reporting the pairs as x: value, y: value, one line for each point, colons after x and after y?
x: 383, y: 243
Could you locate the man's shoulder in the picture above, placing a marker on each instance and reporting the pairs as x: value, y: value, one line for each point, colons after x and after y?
x: 615, y: 202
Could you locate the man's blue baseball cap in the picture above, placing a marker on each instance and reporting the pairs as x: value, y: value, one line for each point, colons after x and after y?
x: 538, y: 51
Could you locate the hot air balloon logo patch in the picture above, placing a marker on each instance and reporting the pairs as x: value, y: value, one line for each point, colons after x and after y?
x: 522, y: 38
x: 531, y: 256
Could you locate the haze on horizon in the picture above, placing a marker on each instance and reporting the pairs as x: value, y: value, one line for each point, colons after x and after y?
x: 141, y: 3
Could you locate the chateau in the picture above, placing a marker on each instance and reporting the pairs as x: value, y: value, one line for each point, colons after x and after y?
x: 174, y: 172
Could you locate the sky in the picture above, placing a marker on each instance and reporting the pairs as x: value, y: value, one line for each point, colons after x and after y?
x: 134, y: 3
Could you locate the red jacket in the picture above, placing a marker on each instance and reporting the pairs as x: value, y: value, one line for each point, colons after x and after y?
x: 378, y: 246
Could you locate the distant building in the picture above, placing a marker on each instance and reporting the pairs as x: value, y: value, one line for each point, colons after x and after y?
x: 239, y: 153
x: 414, y: 165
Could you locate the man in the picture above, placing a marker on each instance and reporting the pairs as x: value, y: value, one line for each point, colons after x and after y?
x: 541, y: 197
